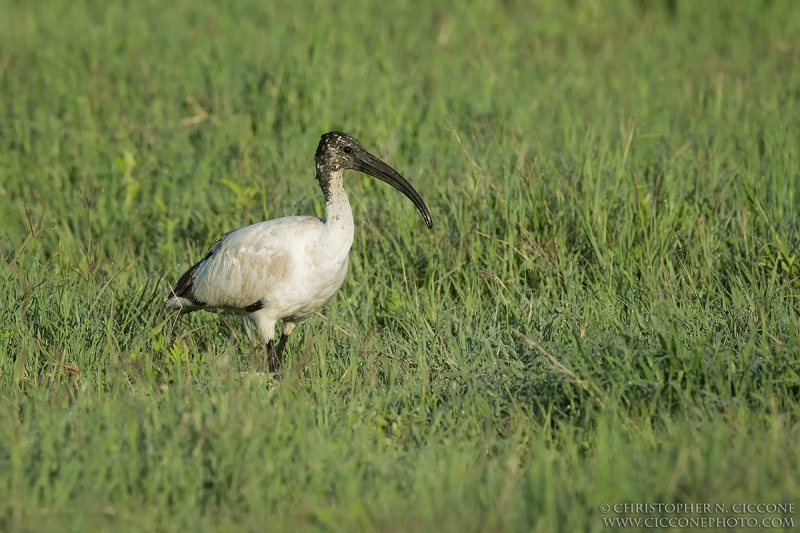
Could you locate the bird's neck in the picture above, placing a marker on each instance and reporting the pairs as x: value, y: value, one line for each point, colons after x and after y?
x: 338, y: 215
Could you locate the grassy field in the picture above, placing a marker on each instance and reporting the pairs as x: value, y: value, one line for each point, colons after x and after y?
x: 606, y: 310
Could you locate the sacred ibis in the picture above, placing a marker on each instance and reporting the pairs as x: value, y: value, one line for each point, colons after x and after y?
x: 287, y: 268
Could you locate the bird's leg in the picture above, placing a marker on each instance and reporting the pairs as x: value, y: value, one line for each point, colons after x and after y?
x: 281, y: 345
x: 287, y: 329
x: 273, y: 359
x: 275, y: 355
x: 266, y: 330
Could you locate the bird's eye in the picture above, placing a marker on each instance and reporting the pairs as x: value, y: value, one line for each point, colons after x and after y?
x: 347, y: 150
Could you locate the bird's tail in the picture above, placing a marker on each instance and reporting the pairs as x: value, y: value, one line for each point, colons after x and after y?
x: 180, y: 304
x: 181, y: 298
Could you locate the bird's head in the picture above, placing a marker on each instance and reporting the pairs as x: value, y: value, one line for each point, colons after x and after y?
x: 339, y: 151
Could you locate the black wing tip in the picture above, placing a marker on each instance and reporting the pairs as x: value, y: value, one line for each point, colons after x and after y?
x: 185, y: 286
x: 184, y: 289
x: 257, y: 306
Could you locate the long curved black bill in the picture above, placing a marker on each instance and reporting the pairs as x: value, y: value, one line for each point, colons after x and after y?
x: 369, y: 164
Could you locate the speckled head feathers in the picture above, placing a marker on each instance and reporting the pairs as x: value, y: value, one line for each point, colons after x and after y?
x: 337, y: 151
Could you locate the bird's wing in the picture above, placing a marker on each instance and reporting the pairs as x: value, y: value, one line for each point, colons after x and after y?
x: 243, y: 264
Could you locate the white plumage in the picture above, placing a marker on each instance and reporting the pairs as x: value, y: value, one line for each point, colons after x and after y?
x: 288, y: 268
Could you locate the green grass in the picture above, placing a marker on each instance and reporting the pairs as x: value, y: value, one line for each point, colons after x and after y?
x: 605, y: 311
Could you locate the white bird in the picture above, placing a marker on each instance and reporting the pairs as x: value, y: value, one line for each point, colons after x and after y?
x: 287, y: 268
